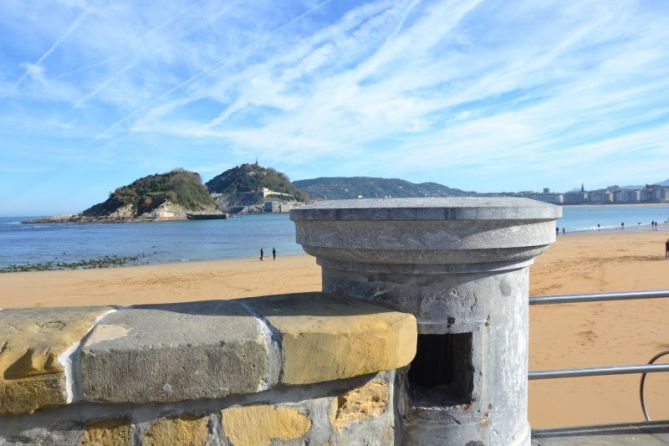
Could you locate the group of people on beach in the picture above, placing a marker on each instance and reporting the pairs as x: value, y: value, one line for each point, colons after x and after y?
x: 654, y: 226
x: 262, y: 254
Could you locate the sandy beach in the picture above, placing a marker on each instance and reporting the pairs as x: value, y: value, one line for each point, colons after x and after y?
x: 573, y: 335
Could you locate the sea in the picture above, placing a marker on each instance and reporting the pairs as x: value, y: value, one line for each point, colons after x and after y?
x: 234, y: 238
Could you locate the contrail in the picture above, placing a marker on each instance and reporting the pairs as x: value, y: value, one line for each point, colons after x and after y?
x: 67, y: 32
x: 204, y: 72
x: 133, y: 42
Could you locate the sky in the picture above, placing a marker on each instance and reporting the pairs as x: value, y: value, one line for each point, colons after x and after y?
x: 478, y: 95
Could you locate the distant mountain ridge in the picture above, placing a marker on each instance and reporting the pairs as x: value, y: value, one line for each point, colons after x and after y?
x: 337, y: 188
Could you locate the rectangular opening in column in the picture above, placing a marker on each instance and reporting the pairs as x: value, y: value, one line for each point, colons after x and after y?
x: 442, y: 373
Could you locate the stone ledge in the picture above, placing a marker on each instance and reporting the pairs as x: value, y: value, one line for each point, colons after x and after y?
x: 328, y: 338
x: 36, y: 346
x: 191, y: 351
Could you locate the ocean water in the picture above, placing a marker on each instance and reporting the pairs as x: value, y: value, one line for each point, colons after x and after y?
x: 155, y: 242
x: 239, y: 237
x: 586, y: 218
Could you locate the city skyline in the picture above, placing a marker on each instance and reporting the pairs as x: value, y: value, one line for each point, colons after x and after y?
x: 475, y: 95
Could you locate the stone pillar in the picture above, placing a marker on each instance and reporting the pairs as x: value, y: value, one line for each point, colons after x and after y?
x: 460, y: 265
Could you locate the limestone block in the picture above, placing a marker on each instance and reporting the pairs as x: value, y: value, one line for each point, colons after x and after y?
x: 326, y: 338
x: 113, y: 432
x: 160, y: 353
x: 357, y: 405
x: 187, y: 430
x: 259, y: 425
x: 32, y: 342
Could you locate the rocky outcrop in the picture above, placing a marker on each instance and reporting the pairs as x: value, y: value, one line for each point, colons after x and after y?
x: 159, y: 197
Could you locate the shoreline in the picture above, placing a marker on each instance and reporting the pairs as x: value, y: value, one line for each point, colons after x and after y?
x: 643, y: 228
x: 631, y: 229
x: 653, y: 204
x: 561, y: 336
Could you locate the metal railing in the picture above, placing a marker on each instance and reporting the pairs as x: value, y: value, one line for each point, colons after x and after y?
x: 644, y: 369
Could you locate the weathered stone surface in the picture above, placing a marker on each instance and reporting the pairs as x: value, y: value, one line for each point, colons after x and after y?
x: 29, y: 394
x: 184, y: 430
x: 114, y: 432
x: 368, y: 401
x: 426, y: 231
x: 326, y: 337
x: 31, y: 343
x: 175, y: 352
x: 460, y: 265
x: 432, y: 208
x: 261, y: 424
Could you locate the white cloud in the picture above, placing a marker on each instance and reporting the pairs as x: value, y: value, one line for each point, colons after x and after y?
x: 456, y: 85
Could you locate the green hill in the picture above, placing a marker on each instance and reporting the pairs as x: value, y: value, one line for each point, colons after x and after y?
x: 336, y: 188
x: 179, y: 187
x: 244, y: 184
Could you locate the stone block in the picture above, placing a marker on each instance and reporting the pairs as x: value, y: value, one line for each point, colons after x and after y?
x: 326, y: 338
x: 186, y: 430
x: 34, y: 345
x: 261, y: 425
x: 357, y: 405
x: 113, y: 432
x: 161, y: 353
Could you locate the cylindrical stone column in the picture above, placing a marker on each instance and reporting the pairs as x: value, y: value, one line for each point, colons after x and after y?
x: 460, y: 265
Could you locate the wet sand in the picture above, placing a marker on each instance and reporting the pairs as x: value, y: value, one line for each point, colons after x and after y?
x: 571, y: 335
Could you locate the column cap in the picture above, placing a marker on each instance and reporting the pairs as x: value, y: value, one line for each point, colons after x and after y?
x: 426, y: 233
x: 441, y: 208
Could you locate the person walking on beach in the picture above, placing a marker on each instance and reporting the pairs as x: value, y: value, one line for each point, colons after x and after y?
x: 262, y: 254
x: 273, y: 254
x: 557, y: 231
x: 666, y: 249
x: 622, y: 226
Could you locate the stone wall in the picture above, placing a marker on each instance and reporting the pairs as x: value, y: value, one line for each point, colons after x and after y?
x: 296, y: 369
x: 308, y: 369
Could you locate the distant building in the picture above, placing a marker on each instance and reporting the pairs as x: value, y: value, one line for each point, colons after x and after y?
x: 600, y: 197
x: 663, y: 194
x: 654, y: 193
x: 648, y: 194
x: 627, y: 196
x: 267, y: 193
x: 575, y: 197
x: 277, y: 206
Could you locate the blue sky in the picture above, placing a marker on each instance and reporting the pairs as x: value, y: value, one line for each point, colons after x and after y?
x: 478, y: 95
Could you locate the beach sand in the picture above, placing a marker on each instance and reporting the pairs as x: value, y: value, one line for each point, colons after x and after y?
x: 562, y: 336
